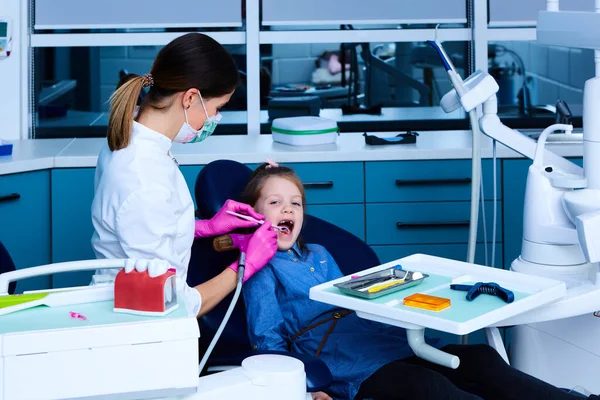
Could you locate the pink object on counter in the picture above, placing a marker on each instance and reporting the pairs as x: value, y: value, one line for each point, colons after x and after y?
x: 76, y: 315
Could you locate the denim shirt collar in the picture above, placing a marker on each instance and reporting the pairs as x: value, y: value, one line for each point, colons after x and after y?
x: 294, y: 252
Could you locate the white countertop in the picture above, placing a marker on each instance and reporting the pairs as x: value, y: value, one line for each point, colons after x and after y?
x: 29, y: 155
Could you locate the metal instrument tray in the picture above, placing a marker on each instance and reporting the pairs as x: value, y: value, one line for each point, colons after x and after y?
x: 353, y: 286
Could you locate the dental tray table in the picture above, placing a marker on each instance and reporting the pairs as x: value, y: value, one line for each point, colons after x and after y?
x: 461, y: 318
x: 88, y: 351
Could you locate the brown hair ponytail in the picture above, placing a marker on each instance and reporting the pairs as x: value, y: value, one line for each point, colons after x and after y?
x: 191, y: 61
x: 122, y: 107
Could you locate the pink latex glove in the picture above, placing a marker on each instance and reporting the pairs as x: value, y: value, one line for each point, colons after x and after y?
x: 224, y: 223
x: 261, y: 249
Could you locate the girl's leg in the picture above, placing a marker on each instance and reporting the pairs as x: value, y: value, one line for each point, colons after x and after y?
x: 399, y: 380
x: 482, y: 369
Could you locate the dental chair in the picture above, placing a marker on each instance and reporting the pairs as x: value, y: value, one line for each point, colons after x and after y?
x: 224, y: 179
x: 7, y: 265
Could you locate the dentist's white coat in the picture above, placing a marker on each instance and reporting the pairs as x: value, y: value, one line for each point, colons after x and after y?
x: 142, y: 207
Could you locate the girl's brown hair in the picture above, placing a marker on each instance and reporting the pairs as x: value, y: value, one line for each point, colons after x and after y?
x: 192, y: 61
x: 258, y: 179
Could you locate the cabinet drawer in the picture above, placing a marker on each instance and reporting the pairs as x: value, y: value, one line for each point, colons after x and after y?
x: 350, y: 217
x: 332, y: 183
x: 422, y: 223
x: 440, y: 180
x: 72, y: 229
x: 25, y: 223
x: 452, y: 251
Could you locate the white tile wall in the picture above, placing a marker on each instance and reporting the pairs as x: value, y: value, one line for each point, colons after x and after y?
x: 558, y: 72
x: 558, y: 64
x: 582, y: 66
x: 538, y: 60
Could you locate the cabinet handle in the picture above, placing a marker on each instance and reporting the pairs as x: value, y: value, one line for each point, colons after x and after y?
x: 318, y: 185
x: 430, y: 224
x: 10, y: 197
x: 419, y: 182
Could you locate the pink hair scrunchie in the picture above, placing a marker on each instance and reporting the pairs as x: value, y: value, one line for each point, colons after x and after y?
x: 272, y: 164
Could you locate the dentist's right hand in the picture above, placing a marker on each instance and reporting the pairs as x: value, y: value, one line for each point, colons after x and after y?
x: 261, y: 249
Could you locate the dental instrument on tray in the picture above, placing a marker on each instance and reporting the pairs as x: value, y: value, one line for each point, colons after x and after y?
x: 380, y: 283
x: 249, y: 218
x: 490, y: 288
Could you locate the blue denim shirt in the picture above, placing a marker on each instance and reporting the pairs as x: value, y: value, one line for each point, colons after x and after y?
x: 278, y: 306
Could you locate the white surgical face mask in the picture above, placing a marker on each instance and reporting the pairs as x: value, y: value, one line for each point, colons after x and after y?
x: 187, y: 134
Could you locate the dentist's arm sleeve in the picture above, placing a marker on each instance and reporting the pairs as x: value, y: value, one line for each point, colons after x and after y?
x: 146, y: 226
x: 266, y: 329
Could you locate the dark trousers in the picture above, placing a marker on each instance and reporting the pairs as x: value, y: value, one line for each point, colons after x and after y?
x: 482, y: 374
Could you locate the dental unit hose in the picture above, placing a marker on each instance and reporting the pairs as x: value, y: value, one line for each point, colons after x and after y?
x: 459, y: 86
x: 236, y: 295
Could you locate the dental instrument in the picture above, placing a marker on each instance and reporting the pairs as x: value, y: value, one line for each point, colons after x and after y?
x: 491, y: 288
x: 230, y: 241
x: 380, y: 283
x: 249, y: 218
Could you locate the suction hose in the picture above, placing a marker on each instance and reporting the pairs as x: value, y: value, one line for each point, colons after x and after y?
x: 475, y: 186
x: 236, y: 295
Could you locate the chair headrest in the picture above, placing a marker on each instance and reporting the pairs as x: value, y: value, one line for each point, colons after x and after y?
x: 218, y: 181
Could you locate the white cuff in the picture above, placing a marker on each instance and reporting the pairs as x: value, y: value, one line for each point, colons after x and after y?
x: 192, y: 299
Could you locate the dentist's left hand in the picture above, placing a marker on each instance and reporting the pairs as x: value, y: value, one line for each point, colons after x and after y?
x: 155, y: 267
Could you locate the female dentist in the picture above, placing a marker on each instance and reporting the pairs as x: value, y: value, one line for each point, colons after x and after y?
x: 142, y: 208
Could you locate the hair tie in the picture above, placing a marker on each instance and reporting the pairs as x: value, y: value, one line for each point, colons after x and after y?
x: 147, y: 80
x: 272, y: 164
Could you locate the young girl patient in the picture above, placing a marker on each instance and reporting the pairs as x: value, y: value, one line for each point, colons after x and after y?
x: 367, y: 359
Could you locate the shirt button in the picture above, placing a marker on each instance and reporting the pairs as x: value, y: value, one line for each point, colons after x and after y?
x: 312, y: 269
x: 295, y: 260
x: 289, y: 251
x: 255, y: 347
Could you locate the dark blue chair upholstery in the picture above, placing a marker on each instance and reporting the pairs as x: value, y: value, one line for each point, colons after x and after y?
x: 224, y: 179
x: 7, y: 265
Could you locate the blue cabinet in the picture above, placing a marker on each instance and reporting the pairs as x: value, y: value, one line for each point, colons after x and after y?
x: 514, y: 182
x: 25, y: 222
x: 332, y: 183
x: 424, y: 207
x: 72, y: 196
x: 350, y: 217
x: 434, y: 222
x: 439, y: 180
